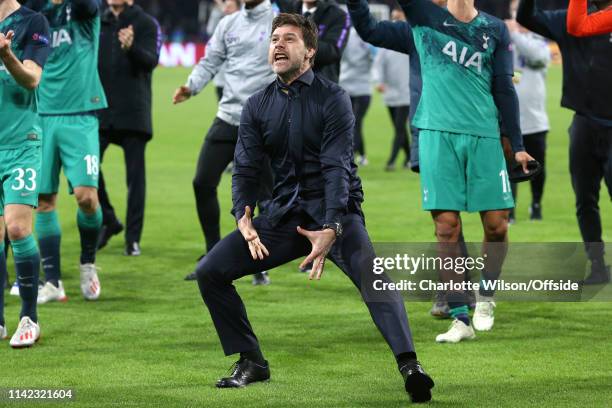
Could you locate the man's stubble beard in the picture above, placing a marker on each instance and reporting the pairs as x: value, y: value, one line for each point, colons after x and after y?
x: 293, y: 73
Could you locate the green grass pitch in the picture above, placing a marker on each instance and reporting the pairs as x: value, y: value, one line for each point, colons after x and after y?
x: 149, y: 341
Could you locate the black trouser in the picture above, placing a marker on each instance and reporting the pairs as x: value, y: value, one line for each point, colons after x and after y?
x: 216, y: 153
x: 133, y: 145
x: 230, y: 260
x: 535, y: 145
x: 590, y: 161
x: 360, y: 108
x: 399, y: 117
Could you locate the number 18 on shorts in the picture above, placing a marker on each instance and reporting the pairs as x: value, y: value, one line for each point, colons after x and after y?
x: 70, y: 142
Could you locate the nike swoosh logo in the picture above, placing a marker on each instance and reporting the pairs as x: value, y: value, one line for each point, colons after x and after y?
x: 46, y: 259
x: 26, y: 194
x: 447, y: 24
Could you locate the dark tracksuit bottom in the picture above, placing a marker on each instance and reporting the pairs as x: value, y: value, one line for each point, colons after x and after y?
x: 216, y: 153
x: 399, y: 116
x: 230, y: 259
x: 360, y: 106
x: 133, y: 145
x: 590, y: 161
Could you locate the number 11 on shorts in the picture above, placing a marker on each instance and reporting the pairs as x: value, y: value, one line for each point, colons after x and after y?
x: 93, y: 167
x: 505, y: 181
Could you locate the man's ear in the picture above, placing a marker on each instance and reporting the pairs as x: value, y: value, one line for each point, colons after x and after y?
x: 310, y: 53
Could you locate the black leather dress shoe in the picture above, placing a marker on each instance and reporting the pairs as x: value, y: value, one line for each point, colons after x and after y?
x: 418, y: 384
x: 598, y: 276
x: 245, y: 372
x: 132, y: 249
x: 107, y: 232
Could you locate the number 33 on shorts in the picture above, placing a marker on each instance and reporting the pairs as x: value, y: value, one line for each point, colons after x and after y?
x: 24, y: 179
x: 21, y: 187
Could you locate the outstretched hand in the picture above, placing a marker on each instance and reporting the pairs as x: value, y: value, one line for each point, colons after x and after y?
x: 181, y: 95
x: 322, y: 242
x: 246, y: 228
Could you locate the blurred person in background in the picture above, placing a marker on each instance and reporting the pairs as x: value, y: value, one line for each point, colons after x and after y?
x: 130, y: 43
x: 392, y: 76
x: 334, y: 27
x: 355, y: 73
x: 215, y: 14
x: 531, y: 58
x: 587, y: 86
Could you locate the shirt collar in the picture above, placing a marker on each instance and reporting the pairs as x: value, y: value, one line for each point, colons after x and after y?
x: 306, y: 79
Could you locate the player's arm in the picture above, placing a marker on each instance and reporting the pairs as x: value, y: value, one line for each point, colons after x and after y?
x: 207, y: 67
x: 248, y: 156
x: 26, y: 73
x: 550, y: 24
x: 504, y: 92
x: 334, y: 39
x: 335, y: 155
x: 535, y: 51
x: 147, y: 44
x: 85, y: 9
x: 35, y: 53
x: 395, y: 35
x: 581, y: 24
x: 420, y: 12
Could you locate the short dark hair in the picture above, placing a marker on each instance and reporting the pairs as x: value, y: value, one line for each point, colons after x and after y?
x: 308, y: 27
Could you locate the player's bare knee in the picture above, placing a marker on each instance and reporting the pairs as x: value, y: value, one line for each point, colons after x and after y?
x: 18, y: 230
x: 448, y: 228
x: 496, y: 231
x: 87, y: 199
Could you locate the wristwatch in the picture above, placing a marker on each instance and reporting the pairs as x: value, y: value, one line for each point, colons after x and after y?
x: 336, y: 226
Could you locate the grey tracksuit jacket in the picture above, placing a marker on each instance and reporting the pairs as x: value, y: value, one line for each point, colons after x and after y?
x: 241, y: 42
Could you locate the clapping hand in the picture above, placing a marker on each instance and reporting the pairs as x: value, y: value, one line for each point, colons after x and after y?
x: 126, y: 37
